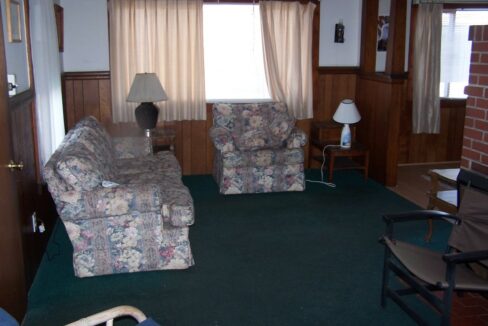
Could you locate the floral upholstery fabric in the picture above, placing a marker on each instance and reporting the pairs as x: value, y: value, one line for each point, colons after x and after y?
x: 123, y: 212
x: 258, y: 148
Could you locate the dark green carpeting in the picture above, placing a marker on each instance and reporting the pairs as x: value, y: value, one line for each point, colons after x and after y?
x: 306, y: 258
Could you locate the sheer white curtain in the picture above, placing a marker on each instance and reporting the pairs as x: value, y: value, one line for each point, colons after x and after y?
x: 427, y: 69
x: 164, y: 37
x: 47, y: 77
x: 287, y: 40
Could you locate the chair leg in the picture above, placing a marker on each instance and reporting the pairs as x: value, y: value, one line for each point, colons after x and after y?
x: 386, y: 277
x: 447, y: 303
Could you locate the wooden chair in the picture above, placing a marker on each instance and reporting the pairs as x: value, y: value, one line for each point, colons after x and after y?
x: 424, y: 272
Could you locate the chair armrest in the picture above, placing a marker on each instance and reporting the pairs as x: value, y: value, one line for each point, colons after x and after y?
x: 465, y: 257
x: 113, y: 201
x: 222, y: 139
x: 131, y: 147
x: 297, y: 139
x: 420, y: 215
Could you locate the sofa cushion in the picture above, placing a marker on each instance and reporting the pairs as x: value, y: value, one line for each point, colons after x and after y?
x: 79, y: 168
x: 262, y: 158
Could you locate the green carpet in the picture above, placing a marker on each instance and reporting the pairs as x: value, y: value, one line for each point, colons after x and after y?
x: 305, y: 258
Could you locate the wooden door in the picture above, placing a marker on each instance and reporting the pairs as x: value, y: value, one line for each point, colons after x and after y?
x: 12, y: 278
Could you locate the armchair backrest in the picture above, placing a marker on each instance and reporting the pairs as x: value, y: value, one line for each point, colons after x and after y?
x: 255, y: 125
x: 472, y: 233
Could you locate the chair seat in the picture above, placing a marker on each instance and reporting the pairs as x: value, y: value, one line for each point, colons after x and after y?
x: 428, y: 266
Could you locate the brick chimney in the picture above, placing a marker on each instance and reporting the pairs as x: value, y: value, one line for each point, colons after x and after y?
x: 475, y: 143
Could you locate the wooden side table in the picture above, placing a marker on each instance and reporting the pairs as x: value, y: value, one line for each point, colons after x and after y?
x: 346, y: 159
x: 163, y: 139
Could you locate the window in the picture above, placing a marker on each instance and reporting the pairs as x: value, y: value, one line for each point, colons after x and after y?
x: 456, y: 50
x: 234, y: 64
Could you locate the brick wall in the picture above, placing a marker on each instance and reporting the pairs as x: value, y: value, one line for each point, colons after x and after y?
x: 475, y: 144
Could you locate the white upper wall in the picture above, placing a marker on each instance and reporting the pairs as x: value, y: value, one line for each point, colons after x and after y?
x: 85, y: 35
x: 340, y: 54
x: 86, y: 46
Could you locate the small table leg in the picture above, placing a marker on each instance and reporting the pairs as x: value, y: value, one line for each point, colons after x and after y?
x: 366, y: 165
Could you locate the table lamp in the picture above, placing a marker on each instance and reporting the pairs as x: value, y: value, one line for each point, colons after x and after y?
x: 346, y: 113
x: 146, y: 89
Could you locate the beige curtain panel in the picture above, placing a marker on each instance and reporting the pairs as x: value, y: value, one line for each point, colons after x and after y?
x: 164, y: 37
x: 427, y: 69
x: 287, y: 45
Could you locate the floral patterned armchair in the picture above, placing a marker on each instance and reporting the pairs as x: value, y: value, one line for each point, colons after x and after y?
x: 258, y: 148
x: 125, y: 210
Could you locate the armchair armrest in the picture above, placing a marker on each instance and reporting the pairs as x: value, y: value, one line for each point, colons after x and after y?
x: 420, y: 215
x: 113, y: 201
x: 465, y: 257
x: 222, y: 139
x: 297, y: 139
x: 131, y: 147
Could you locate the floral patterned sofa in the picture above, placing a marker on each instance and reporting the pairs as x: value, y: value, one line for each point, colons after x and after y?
x: 258, y: 148
x: 125, y: 210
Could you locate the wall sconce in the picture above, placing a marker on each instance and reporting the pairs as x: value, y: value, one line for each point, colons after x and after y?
x: 339, y: 32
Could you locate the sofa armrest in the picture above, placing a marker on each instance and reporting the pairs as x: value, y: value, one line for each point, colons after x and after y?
x: 112, y: 201
x: 222, y: 139
x: 297, y: 139
x: 131, y: 147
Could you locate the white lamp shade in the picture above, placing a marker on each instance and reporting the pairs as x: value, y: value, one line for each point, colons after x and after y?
x: 146, y: 88
x: 347, y: 112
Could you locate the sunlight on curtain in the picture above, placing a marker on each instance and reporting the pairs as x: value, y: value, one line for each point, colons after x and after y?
x: 164, y: 37
x: 234, y: 67
x: 47, y: 78
x: 426, y: 70
x: 287, y: 39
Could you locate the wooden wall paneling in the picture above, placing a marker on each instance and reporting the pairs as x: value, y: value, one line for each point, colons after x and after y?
x: 78, y: 109
x: 209, y: 144
x: 369, y: 36
x: 336, y: 84
x: 68, y: 104
x: 86, y: 93
x: 396, y: 104
x: 91, y: 98
x: 105, y: 101
x: 179, y: 142
x: 198, y: 147
x: 186, y: 135
x: 395, y: 57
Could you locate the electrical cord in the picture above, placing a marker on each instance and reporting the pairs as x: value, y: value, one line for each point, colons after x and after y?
x: 328, y: 184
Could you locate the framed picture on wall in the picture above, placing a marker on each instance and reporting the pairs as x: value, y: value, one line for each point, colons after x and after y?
x: 13, y: 21
x: 383, y: 27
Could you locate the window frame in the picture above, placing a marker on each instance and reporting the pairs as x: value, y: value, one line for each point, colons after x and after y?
x: 449, y: 102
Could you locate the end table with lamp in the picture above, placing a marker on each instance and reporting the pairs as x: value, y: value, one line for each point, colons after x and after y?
x: 344, y: 154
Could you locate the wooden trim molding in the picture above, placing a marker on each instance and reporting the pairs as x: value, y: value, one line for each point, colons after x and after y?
x: 339, y: 70
x: 81, y: 75
x: 453, y: 103
x: 385, y: 78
